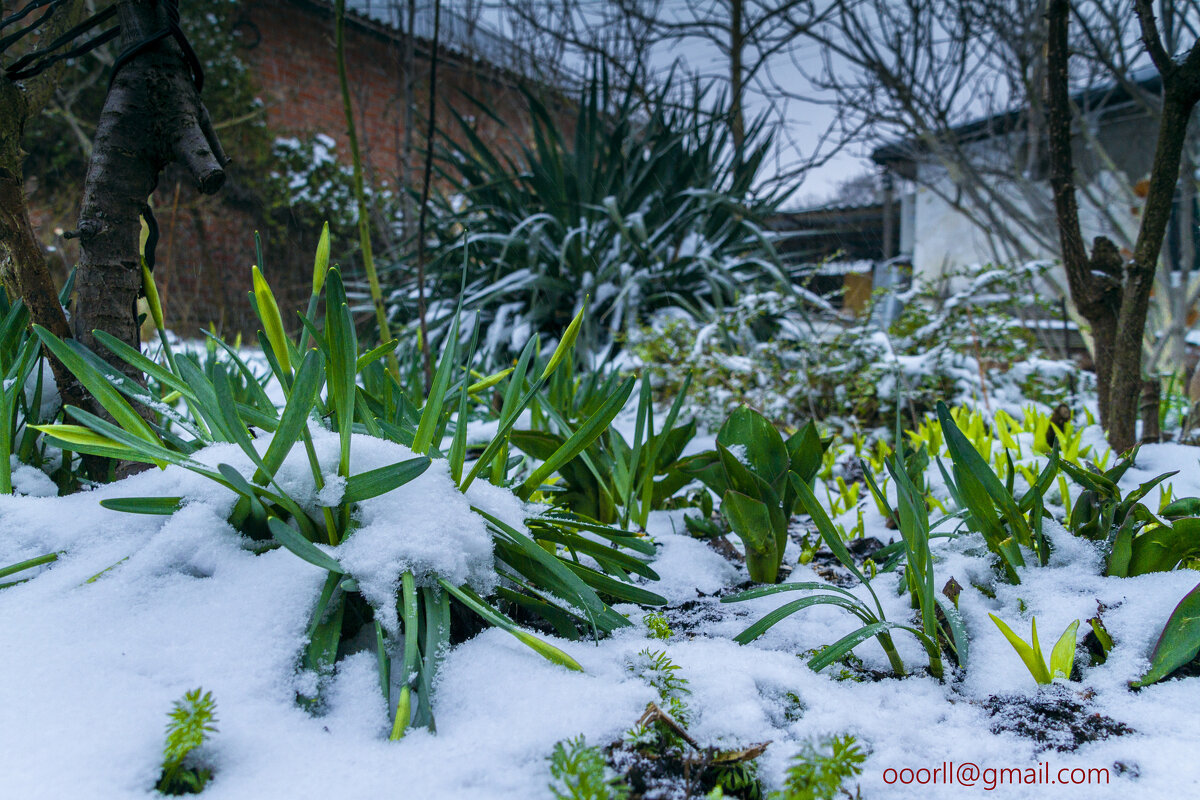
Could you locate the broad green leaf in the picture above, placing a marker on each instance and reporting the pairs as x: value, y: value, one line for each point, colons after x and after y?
x: 761, y: 448
x: 750, y: 520
x: 1183, y: 507
x: 1178, y: 643
x: 1162, y: 548
x: 804, y: 452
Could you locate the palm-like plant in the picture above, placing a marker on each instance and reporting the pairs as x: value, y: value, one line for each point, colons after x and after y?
x: 645, y: 206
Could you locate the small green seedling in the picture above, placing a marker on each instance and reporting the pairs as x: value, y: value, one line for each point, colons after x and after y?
x: 579, y: 772
x: 191, y: 721
x: 820, y: 768
x: 657, y: 625
x: 1062, y: 657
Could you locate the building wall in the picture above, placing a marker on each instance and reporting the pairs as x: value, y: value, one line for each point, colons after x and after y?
x: 207, y: 243
x: 946, y: 238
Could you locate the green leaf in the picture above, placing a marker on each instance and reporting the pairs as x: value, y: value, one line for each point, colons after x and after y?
x: 467, y: 597
x: 99, y: 385
x: 1062, y: 657
x: 1178, y: 643
x: 618, y: 589
x: 268, y: 313
x: 1031, y: 655
x: 1162, y: 548
x: 152, y: 368
x: 325, y: 628
x: 1183, y: 507
x: 833, y: 652
x: 294, y: 420
x: 967, y: 459
x: 370, y: 484
x: 144, y: 505
x: 1044, y: 479
x: 431, y: 414
x: 587, y: 433
x: 321, y: 260
x: 824, y: 524
x: 565, y: 344
x: 750, y: 520
x: 804, y: 452
x: 343, y: 358
x: 958, y: 629
x: 787, y: 609
x: 553, y: 574
x: 293, y: 540
x: 28, y: 564
x: 763, y: 447
x: 85, y: 440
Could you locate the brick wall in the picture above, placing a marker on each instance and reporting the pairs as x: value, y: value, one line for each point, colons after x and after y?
x: 207, y: 243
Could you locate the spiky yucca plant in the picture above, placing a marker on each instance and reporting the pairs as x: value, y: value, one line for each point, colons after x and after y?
x: 644, y: 206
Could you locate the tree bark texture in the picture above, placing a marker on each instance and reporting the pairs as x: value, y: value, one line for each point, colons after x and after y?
x: 1114, y: 296
x: 152, y: 116
x: 22, y: 263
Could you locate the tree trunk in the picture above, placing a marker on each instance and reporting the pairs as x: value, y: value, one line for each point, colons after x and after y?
x: 22, y: 262
x: 1114, y: 297
x: 1149, y: 404
x: 1139, y: 280
x: 151, y: 117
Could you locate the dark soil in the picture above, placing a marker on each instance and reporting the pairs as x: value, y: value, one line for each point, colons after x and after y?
x: 686, y: 617
x: 671, y: 776
x: 1056, y: 718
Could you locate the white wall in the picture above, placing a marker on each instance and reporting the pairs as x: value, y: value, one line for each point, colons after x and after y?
x: 946, y: 237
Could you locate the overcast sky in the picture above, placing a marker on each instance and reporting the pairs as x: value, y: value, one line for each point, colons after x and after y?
x: 803, y: 123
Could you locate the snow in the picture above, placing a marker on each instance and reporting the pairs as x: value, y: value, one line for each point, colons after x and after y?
x: 93, y: 667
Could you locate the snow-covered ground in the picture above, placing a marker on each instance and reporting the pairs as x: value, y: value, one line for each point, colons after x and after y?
x: 91, y: 667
